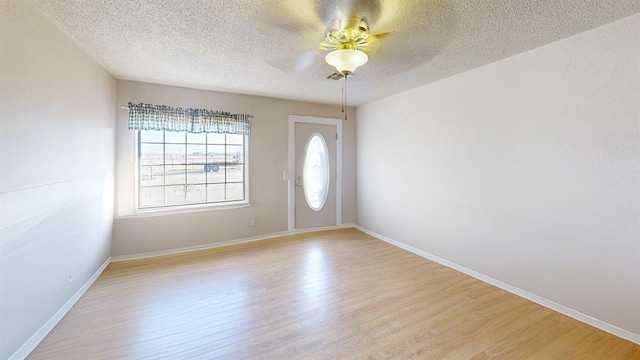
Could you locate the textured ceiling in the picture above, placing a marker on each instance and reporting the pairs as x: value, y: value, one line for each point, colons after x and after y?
x: 270, y: 47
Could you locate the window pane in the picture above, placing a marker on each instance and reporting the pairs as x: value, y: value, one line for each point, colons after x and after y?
x: 235, y: 173
x: 196, y: 158
x: 216, y: 173
x: 151, y: 136
x: 174, y: 175
x: 197, y: 138
x: 235, y: 192
x: 196, y: 174
x: 196, y: 194
x: 315, y: 172
x: 196, y: 151
x: 151, y: 175
x: 235, y: 139
x: 175, y: 137
x: 151, y: 154
x: 215, y: 192
x: 175, y: 195
x: 151, y: 196
x: 215, y: 139
x: 215, y: 154
x: 175, y: 154
x: 196, y: 154
x: 215, y: 164
x: 235, y: 154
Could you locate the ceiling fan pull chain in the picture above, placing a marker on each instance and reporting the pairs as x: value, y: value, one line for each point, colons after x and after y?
x: 342, y: 98
x: 345, y: 97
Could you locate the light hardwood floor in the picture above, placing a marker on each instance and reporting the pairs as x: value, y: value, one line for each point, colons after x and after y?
x: 327, y: 295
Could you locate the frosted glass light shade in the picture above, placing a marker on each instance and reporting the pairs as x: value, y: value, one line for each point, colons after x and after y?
x: 346, y: 60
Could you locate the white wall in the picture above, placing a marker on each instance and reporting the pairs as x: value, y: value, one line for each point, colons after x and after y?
x: 267, y: 153
x: 57, y: 147
x: 526, y: 170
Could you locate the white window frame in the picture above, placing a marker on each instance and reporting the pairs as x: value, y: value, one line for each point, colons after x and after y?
x: 178, y: 209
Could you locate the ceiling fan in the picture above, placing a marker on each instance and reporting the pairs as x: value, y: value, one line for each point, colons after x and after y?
x: 349, y: 40
x: 398, y: 34
x: 344, y: 24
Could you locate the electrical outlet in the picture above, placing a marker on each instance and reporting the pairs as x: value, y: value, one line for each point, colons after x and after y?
x: 252, y: 222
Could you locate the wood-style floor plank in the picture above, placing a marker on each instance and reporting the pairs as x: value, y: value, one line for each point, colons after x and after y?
x: 326, y: 295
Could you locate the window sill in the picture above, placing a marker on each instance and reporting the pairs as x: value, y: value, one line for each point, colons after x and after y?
x: 183, y: 210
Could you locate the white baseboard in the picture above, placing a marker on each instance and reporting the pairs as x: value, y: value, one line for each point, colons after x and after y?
x: 152, y: 254
x: 333, y: 227
x: 39, y: 335
x: 602, y: 325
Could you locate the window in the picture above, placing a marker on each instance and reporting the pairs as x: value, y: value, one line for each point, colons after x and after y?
x: 315, y: 172
x: 180, y: 169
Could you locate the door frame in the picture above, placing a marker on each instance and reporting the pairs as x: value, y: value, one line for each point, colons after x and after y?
x: 293, y: 119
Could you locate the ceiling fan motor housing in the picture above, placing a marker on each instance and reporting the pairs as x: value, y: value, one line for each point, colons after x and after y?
x: 347, y: 33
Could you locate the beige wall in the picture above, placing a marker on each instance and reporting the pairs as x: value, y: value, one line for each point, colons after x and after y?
x: 267, y: 151
x: 525, y: 170
x: 57, y: 151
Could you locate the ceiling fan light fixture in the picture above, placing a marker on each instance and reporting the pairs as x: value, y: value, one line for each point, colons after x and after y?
x: 346, y: 61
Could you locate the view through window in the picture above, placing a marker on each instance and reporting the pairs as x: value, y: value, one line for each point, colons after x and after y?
x: 180, y: 168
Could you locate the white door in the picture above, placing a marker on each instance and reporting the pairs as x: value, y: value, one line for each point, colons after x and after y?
x: 315, y: 175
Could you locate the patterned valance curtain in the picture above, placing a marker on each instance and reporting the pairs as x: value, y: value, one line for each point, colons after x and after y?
x: 167, y: 118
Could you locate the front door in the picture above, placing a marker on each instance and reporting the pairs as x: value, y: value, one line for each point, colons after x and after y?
x: 315, y: 175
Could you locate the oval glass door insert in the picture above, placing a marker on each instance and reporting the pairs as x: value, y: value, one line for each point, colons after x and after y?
x: 315, y: 172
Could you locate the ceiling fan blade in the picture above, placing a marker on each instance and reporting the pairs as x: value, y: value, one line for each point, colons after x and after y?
x: 383, y: 35
x: 305, y: 60
x: 389, y: 16
x: 401, y: 45
x: 297, y: 63
x: 301, y: 52
x: 293, y: 15
x: 386, y: 16
x: 374, y: 42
